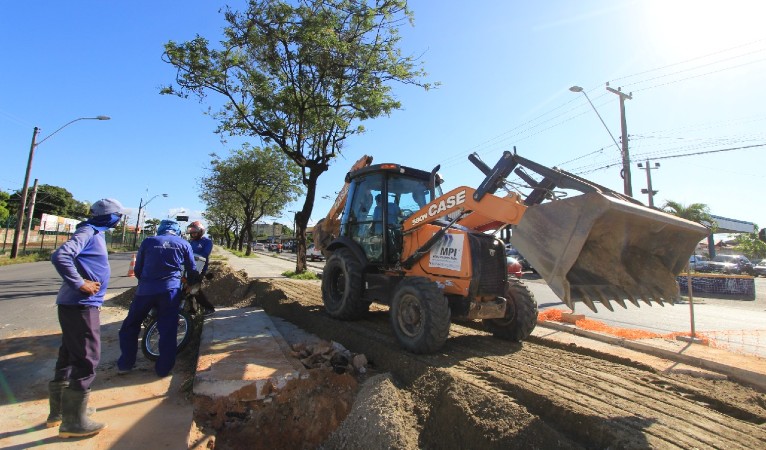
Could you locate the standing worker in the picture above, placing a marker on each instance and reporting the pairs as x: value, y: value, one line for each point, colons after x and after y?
x: 160, y: 264
x: 83, y: 263
x: 201, y: 246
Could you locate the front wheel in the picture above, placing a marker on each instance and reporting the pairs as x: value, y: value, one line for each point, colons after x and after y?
x: 420, y: 315
x: 150, y: 341
x: 520, y: 314
x: 342, y: 286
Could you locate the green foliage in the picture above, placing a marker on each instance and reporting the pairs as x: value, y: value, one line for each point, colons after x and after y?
x: 28, y: 258
x: 696, y: 212
x: 150, y: 225
x: 4, y: 212
x: 750, y: 246
x: 301, y: 75
x: 241, y: 254
x: 250, y: 183
x: 307, y: 275
x: 53, y: 200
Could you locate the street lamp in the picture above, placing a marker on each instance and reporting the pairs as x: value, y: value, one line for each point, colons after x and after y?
x: 627, y: 184
x: 23, y: 199
x: 141, y: 205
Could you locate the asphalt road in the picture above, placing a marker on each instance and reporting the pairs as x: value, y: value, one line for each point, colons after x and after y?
x: 736, y: 325
x: 28, y: 295
x: 28, y: 292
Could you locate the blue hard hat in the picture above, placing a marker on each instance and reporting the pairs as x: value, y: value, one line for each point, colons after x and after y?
x: 169, y: 226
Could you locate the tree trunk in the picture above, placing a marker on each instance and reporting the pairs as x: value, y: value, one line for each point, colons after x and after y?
x: 302, y: 220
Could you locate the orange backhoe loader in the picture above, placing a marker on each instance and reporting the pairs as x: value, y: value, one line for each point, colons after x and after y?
x: 393, y: 237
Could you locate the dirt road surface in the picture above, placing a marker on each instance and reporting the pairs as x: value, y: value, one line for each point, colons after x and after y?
x: 482, y: 392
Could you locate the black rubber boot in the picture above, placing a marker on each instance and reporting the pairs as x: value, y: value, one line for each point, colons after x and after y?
x: 55, y: 389
x: 74, y: 407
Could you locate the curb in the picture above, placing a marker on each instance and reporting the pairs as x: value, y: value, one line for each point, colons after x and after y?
x: 744, y: 376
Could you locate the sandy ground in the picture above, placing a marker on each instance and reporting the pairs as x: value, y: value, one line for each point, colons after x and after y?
x: 477, y: 392
x: 481, y: 392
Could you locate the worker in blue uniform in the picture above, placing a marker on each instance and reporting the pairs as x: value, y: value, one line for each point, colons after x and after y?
x: 201, y: 246
x: 161, y: 262
x: 83, y: 263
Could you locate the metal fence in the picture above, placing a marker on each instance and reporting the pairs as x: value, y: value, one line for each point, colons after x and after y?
x: 48, y: 241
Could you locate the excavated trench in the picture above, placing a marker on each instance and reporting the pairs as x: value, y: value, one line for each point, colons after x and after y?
x: 477, y: 392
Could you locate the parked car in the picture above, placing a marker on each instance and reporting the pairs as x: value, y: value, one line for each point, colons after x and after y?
x: 510, y: 251
x: 734, y: 264
x: 699, y: 263
x: 514, y: 267
x: 760, y: 268
x: 259, y: 247
x: 313, y: 253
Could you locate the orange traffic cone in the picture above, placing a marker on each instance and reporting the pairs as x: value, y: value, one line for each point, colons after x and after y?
x: 132, y: 268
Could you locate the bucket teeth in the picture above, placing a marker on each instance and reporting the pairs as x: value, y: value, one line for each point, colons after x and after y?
x: 605, y: 295
x: 604, y: 301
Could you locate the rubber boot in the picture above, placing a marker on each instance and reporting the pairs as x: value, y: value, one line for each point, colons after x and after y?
x: 74, y: 407
x: 55, y: 390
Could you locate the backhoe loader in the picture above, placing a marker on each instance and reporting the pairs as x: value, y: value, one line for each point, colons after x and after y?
x: 395, y: 238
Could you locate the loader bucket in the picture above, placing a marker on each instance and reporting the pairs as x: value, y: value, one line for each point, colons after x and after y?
x: 593, y: 248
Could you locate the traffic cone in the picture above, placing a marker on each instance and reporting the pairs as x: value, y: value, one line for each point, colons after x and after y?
x: 132, y: 268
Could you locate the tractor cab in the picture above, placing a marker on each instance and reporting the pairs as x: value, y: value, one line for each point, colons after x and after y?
x: 380, y: 198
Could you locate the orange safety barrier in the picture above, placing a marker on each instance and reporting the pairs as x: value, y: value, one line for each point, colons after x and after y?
x: 132, y: 268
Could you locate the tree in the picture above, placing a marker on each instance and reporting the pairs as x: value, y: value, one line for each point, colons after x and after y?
x: 696, y: 212
x: 150, y: 225
x: 4, y: 212
x: 253, y: 181
x: 750, y: 245
x: 55, y: 200
x: 302, y: 75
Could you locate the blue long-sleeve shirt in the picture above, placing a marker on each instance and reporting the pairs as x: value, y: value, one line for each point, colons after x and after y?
x: 160, y: 264
x: 83, y: 257
x: 202, y: 247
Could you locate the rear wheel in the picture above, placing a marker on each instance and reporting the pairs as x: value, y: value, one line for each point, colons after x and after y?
x: 520, y: 315
x: 420, y: 315
x: 342, y: 286
x: 150, y: 341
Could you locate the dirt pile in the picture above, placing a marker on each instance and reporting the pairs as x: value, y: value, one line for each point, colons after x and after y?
x: 479, y: 392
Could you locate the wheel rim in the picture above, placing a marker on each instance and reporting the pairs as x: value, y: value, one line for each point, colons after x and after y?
x: 153, y: 336
x: 510, y: 313
x: 183, y: 328
x: 338, y: 286
x: 410, y: 315
x: 153, y: 340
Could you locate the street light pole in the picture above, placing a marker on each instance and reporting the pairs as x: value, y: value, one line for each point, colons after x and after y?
x: 23, y: 199
x: 141, y: 205
x: 648, y: 191
x: 627, y: 185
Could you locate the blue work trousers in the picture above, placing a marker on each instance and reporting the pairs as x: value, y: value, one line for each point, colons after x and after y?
x: 80, y: 349
x: 167, y: 304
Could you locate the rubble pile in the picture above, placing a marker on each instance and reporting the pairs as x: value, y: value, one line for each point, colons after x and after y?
x: 330, y: 355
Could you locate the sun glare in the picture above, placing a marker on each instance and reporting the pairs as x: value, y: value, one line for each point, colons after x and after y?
x: 689, y: 28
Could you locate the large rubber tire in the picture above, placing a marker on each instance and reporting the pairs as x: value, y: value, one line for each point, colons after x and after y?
x: 342, y: 286
x: 150, y: 340
x: 520, y: 315
x: 420, y: 315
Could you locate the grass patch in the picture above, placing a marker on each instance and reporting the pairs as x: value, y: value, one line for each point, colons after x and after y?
x: 32, y: 257
x: 307, y: 275
x: 242, y: 254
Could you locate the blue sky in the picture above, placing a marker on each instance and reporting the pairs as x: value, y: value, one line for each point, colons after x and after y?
x: 695, y: 69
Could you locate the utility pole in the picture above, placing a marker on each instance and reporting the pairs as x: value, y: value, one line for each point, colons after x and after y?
x: 23, y: 198
x: 628, y: 187
x: 30, y: 211
x: 648, y: 191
